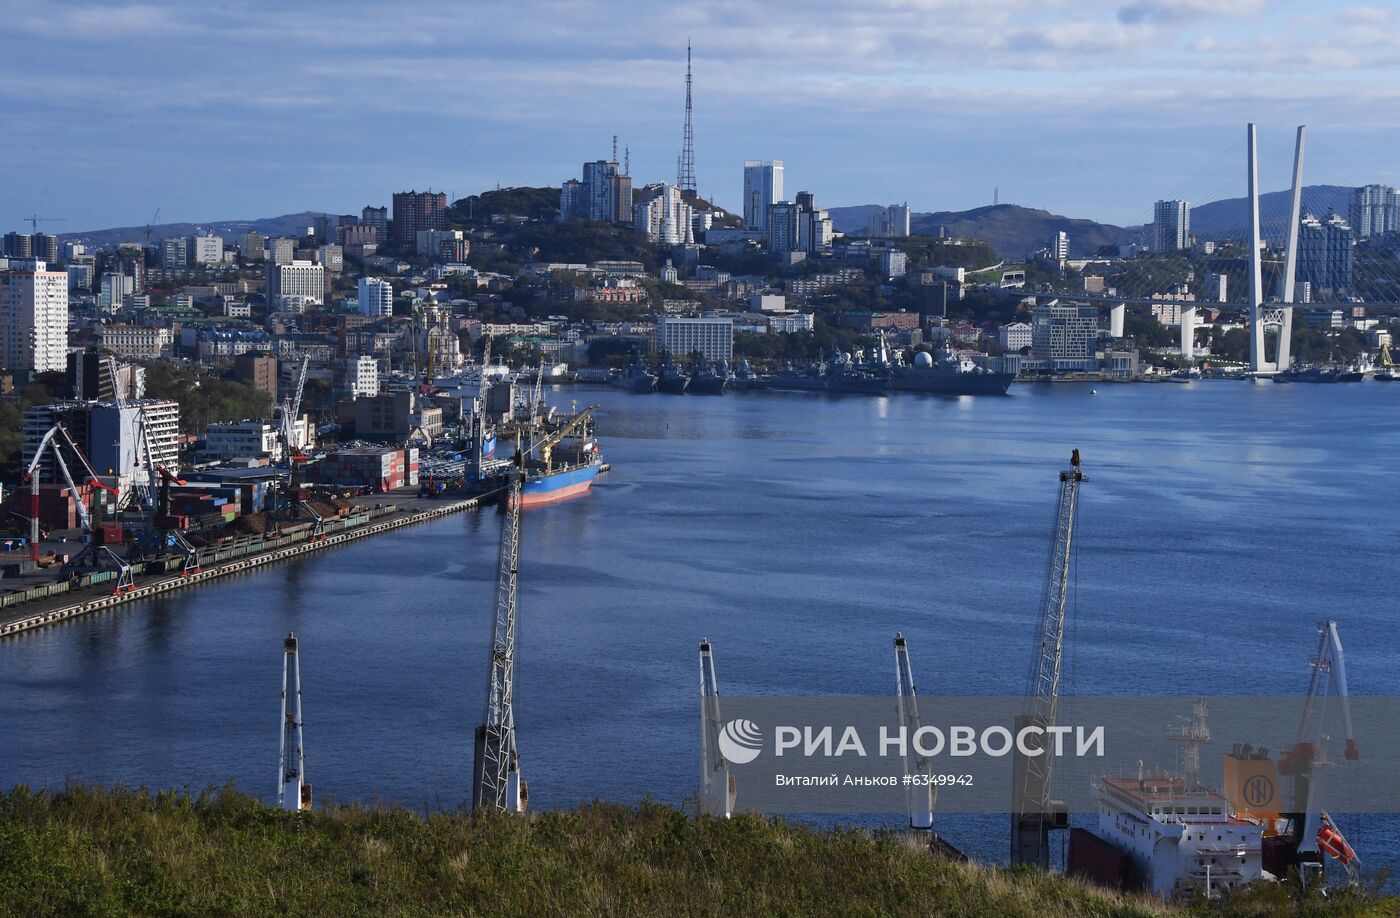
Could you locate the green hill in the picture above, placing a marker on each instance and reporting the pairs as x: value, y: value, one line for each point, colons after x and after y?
x: 98, y: 852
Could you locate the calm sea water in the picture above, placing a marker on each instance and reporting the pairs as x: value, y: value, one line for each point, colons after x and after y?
x: 796, y: 532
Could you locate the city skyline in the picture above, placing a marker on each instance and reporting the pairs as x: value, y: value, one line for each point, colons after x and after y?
x: 251, y: 111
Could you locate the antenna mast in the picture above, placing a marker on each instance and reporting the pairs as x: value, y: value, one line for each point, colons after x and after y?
x: 686, y: 179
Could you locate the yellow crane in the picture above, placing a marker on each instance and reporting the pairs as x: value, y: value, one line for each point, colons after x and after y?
x: 546, y: 445
x: 1387, y: 371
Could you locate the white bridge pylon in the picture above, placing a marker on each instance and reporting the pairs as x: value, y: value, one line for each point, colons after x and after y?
x: 1276, y: 317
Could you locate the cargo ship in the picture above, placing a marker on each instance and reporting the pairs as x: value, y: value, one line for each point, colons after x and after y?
x: 567, y: 461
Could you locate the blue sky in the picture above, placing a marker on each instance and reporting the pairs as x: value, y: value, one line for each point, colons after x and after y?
x: 233, y: 109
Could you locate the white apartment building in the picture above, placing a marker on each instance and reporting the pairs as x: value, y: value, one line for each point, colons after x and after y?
x: 665, y: 217
x: 362, y: 377
x: 109, y: 435
x: 248, y: 439
x: 33, y: 316
x: 376, y: 297
x: 712, y: 337
x: 137, y: 340
x: 206, y: 250
x: 788, y: 322
x: 294, y: 286
x: 1014, y: 335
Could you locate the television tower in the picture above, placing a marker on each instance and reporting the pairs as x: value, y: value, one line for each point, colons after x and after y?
x: 686, y: 177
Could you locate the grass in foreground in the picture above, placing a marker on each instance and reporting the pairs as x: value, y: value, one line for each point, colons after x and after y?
x: 121, y: 852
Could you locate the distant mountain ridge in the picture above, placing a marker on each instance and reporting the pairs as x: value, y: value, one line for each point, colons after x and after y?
x: 1230, y: 218
x: 1016, y: 231
x: 1012, y: 230
x: 285, y: 225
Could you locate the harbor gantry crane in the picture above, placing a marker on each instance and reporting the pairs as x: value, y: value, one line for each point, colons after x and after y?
x: 496, y: 781
x: 717, y: 788
x: 293, y: 790
x: 921, y: 794
x: 1033, y: 813
x: 1315, y: 828
x: 289, y: 410
x: 57, y: 437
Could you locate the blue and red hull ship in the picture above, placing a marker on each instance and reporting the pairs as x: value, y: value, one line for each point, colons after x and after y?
x: 542, y: 487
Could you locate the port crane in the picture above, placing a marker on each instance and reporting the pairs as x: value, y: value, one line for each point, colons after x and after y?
x: 56, y: 437
x: 717, y: 788
x: 151, y: 486
x: 496, y: 781
x: 289, y: 411
x: 922, y: 797
x: 1316, y: 830
x: 1033, y: 814
x: 293, y: 790
x: 547, y: 443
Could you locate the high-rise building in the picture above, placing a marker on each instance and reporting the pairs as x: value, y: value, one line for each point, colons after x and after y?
x: 282, y: 250
x: 72, y: 250
x: 415, y: 211
x: 130, y: 261
x: 763, y: 187
x: 573, y: 203
x: 1171, y: 226
x: 663, y: 216
x: 1216, y: 288
x: 1325, y: 253
x: 113, y: 292
x: 598, y: 193
x: 1065, y: 336
x: 19, y: 245
x: 1059, y: 246
x: 890, y: 222
x: 206, y: 250
x: 173, y: 253
x: 254, y: 246
x: 1375, y: 209
x: 292, y: 287
x: 376, y: 297
x: 33, y: 317
x: 44, y: 247
x: 711, y: 337
x: 783, y: 224
x: 378, y: 219
x: 109, y: 435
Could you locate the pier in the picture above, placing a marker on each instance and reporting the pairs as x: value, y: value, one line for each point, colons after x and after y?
x: 51, y: 603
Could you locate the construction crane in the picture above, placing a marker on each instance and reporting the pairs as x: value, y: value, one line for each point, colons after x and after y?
x: 34, y: 220
x: 57, y: 436
x: 921, y: 794
x: 293, y: 790
x: 154, y: 218
x: 1315, y: 826
x: 717, y: 788
x: 1033, y: 814
x: 496, y: 781
x: 547, y: 443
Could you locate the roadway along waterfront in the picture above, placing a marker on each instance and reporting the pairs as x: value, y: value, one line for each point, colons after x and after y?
x: 798, y: 533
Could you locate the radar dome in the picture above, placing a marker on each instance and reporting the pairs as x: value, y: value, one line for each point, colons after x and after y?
x: 923, y: 359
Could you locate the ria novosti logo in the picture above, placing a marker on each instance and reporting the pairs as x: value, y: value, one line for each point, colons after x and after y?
x: 740, y: 741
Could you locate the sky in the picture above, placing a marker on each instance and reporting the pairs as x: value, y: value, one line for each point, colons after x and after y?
x: 233, y: 110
